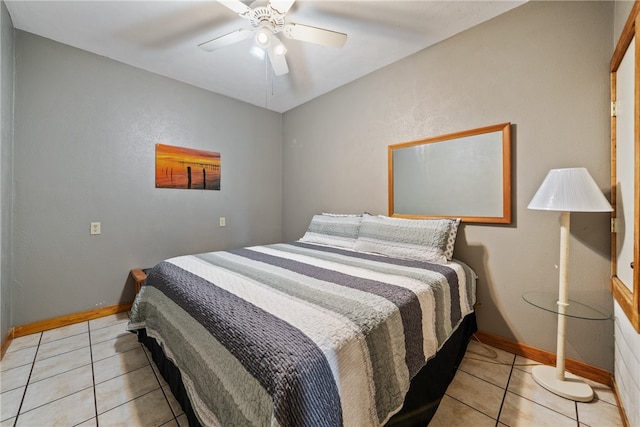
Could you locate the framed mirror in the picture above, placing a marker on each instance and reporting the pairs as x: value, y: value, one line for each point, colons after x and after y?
x: 464, y: 175
x: 625, y: 169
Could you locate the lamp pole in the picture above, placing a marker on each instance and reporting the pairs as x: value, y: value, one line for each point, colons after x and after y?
x: 563, y: 292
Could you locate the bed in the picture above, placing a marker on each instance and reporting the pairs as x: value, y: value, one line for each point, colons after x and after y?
x: 334, y: 329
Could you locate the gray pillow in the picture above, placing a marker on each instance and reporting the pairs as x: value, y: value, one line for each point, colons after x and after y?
x: 333, y: 230
x: 428, y: 240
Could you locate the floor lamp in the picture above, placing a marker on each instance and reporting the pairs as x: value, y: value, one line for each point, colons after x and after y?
x: 566, y: 191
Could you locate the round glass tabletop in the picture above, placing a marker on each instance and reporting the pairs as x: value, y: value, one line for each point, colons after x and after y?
x: 548, y: 301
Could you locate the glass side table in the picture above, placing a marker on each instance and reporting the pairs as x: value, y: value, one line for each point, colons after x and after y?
x: 548, y: 301
x: 555, y: 378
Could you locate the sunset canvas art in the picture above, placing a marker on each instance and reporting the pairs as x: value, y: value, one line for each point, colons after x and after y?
x: 179, y: 167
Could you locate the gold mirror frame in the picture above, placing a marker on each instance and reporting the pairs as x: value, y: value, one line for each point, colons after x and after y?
x: 453, y: 147
x: 629, y: 300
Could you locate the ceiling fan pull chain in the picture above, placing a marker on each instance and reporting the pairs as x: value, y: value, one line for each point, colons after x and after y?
x: 266, y: 83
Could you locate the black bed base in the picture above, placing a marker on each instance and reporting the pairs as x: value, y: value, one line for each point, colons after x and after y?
x: 421, y: 402
x: 430, y: 384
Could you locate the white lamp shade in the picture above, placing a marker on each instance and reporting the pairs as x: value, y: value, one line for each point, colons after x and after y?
x: 570, y: 190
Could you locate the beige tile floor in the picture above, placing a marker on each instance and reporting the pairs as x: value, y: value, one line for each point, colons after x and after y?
x: 88, y: 374
x: 495, y: 388
x: 97, y: 374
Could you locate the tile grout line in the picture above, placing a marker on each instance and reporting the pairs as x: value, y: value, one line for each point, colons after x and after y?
x: 506, y: 388
x: 33, y: 362
x: 93, y: 377
x: 56, y: 355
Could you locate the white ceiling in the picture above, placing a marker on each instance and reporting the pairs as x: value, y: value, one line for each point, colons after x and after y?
x: 163, y: 37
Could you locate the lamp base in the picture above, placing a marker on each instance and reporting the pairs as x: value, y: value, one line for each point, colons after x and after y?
x: 572, y: 387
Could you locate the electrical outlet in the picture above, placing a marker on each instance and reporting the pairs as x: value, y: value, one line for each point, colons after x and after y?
x: 223, y: 221
x: 95, y: 228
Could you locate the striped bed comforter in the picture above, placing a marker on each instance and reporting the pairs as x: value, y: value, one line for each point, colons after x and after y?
x: 296, y: 334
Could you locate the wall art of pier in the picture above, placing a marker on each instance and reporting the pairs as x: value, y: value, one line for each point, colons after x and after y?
x: 187, y: 168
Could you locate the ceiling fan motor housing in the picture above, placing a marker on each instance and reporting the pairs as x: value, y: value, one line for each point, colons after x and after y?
x: 267, y: 17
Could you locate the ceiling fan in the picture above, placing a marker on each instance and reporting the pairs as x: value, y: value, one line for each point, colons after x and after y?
x: 267, y: 20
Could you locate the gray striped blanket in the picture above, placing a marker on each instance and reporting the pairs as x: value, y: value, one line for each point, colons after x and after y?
x: 296, y: 334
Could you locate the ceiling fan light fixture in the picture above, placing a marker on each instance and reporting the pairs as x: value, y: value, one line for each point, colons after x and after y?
x: 278, y: 48
x: 263, y: 38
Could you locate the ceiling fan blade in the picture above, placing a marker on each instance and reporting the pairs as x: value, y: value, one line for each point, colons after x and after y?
x: 281, y: 6
x: 226, y: 40
x: 278, y: 60
x: 236, y: 5
x: 315, y: 35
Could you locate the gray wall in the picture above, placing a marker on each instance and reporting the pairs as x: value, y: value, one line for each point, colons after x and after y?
x: 6, y: 156
x: 543, y: 67
x: 85, y: 133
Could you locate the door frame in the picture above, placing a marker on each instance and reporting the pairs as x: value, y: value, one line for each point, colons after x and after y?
x: 629, y: 300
